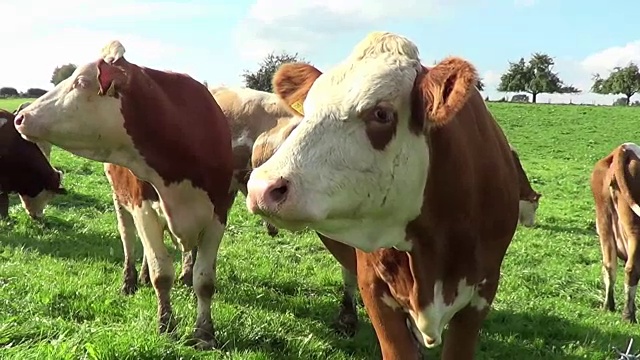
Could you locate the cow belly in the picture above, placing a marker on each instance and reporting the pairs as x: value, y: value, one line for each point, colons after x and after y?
x: 188, y: 212
x: 620, y: 238
x: 428, y: 323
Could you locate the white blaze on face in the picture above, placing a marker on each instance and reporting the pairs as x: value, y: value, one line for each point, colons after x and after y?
x: 527, y: 212
x: 339, y: 181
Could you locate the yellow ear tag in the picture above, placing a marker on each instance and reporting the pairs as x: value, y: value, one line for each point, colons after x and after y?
x: 297, y: 106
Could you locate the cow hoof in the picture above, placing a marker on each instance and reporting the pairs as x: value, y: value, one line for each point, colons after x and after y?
x: 144, y: 279
x: 609, y: 306
x: 187, y: 279
x: 203, y: 340
x: 129, y: 288
x: 167, y: 325
x: 346, y: 325
x: 630, y: 318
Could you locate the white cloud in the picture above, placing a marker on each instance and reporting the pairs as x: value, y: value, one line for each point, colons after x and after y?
x: 490, y: 78
x: 44, y: 40
x: 579, y: 72
x: 297, y: 26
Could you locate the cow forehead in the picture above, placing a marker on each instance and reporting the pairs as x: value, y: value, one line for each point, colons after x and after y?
x: 356, y: 85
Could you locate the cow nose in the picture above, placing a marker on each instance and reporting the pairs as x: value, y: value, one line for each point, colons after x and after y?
x: 266, y: 195
x: 18, y: 119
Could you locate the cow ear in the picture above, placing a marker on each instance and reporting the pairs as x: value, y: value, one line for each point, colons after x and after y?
x: 292, y: 82
x: 111, y: 78
x: 440, y: 92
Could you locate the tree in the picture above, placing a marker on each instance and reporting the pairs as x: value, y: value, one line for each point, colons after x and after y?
x: 261, y: 79
x: 480, y: 85
x: 35, y: 92
x: 8, y: 91
x: 622, y: 80
x: 62, y: 72
x: 534, y: 77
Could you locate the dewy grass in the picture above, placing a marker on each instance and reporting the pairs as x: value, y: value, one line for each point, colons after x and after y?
x: 60, y: 280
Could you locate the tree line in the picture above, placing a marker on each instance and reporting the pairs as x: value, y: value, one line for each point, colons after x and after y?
x: 534, y: 76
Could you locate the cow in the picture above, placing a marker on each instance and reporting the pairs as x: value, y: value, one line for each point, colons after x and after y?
x: 25, y: 170
x: 407, y: 165
x: 615, y: 184
x: 529, y: 198
x: 167, y: 129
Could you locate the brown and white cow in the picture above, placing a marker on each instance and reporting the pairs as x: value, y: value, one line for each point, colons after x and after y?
x: 25, y: 170
x: 406, y: 164
x: 529, y: 198
x: 168, y: 130
x: 615, y: 184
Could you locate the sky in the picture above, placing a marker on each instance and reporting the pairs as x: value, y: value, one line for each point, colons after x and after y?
x: 217, y: 40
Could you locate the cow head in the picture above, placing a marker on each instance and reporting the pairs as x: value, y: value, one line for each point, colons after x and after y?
x: 35, y: 206
x: 528, y: 208
x: 82, y: 113
x: 356, y: 166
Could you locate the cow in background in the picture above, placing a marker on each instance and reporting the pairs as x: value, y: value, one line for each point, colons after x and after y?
x: 529, y: 198
x: 25, y: 170
x: 615, y: 185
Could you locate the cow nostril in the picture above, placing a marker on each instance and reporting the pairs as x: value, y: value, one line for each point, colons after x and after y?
x: 279, y: 192
x: 19, y: 119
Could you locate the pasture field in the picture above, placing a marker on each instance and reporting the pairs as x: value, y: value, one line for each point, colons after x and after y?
x: 60, y: 280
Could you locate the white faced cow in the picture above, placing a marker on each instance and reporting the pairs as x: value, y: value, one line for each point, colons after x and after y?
x: 168, y: 130
x: 406, y: 164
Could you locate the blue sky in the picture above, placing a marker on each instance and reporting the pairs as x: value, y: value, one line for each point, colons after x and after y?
x: 216, y: 40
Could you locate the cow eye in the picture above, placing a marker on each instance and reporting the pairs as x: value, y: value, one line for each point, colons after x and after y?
x: 383, y: 115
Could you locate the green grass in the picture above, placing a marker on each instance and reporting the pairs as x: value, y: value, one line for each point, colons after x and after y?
x: 60, y: 281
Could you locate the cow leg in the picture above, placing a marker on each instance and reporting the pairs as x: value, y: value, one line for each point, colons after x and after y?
x: 604, y: 227
x: 159, y: 262
x: 145, y: 279
x: 127, y: 230
x: 396, y: 342
x: 464, y: 328
x: 4, y: 205
x: 347, y: 322
x: 188, y: 259
x: 631, y: 277
x: 204, y: 281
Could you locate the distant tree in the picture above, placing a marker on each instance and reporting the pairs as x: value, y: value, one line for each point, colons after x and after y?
x: 622, y: 80
x: 534, y: 77
x: 480, y: 85
x: 62, y: 72
x: 35, y: 92
x: 8, y: 91
x: 261, y: 79
x: 621, y: 101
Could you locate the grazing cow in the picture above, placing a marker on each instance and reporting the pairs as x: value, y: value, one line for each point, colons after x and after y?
x: 529, y: 198
x: 615, y: 183
x: 25, y: 170
x: 168, y: 130
x: 407, y: 165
